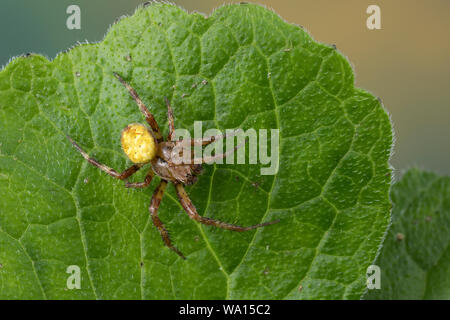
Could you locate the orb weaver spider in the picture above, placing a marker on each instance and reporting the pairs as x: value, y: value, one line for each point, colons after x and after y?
x: 144, y: 145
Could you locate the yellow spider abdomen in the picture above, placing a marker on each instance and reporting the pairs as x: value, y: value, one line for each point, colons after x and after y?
x: 138, y: 143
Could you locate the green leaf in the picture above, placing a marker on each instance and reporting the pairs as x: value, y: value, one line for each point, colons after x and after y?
x: 241, y: 67
x: 415, y: 259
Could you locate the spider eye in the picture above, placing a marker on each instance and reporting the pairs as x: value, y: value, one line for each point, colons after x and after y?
x: 138, y: 143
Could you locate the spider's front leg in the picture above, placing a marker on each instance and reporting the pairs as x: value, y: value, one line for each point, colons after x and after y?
x: 193, y: 214
x: 171, y: 135
x: 147, y: 114
x: 113, y: 173
x: 154, y: 205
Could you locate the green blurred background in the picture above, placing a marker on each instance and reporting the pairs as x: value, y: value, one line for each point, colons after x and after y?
x: 407, y: 63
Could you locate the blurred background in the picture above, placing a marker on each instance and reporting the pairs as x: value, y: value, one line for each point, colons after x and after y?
x: 406, y: 63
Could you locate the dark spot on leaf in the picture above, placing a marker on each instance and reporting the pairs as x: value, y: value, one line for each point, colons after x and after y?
x: 400, y: 236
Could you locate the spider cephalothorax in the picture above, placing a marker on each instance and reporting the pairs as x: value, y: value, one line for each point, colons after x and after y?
x: 143, y: 146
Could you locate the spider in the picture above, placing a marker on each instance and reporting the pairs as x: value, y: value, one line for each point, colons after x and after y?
x: 144, y: 145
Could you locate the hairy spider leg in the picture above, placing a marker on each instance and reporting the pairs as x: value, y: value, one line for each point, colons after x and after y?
x: 208, y: 140
x: 145, y: 183
x: 147, y: 114
x: 113, y: 173
x: 171, y: 135
x: 210, y: 159
x: 154, y: 205
x: 193, y: 214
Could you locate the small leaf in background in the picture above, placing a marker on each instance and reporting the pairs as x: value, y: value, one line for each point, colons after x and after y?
x: 241, y: 67
x: 415, y: 258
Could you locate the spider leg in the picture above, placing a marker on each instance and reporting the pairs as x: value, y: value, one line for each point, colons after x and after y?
x: 193, y: 214
x: 211, y: 159
x: 113, y: 173
x: 156, y: 201
x: 171, y: 135
x: 148, y: 115
x: 209, y: 140
x: 145, y: 183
